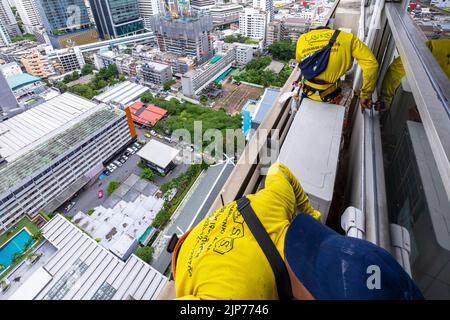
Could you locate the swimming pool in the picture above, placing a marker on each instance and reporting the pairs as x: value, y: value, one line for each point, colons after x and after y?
x: 15, y: 244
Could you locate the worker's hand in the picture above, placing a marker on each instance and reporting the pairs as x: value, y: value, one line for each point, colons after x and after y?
x: 381, y: 106
x: 365, y: 103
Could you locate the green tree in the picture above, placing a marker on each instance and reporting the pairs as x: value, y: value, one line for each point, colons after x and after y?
x: 168, y: 84
x: 147, y: 173
x: 2, y: 266
x: 282, y: 50
x: 112, y: 186
x: 145, y: 253
x: 203, y: 99
x: 87, y: 69
x: 90, y: 211
x: 146, y: 97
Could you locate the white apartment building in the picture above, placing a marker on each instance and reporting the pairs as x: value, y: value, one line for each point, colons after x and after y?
x: 253, y: 23
x: 10, y: 69
x: 148, y: 8
x: 5, y: 39
x: 156, y: 73
x: 244, y: 54
x: 8, y: 19
x: 195, y: 80
x: 66, y: 60
x: 29, y: 14
x: 51, y: 151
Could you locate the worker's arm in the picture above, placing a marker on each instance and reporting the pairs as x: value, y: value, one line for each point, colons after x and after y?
x: 283, y: 187
x: 369, y: 67
x: 392, y: 80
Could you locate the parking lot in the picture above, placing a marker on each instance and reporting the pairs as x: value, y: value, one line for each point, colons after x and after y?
x: 88, y: 197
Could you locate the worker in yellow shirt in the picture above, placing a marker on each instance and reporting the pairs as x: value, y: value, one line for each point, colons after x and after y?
x: 440, y: 48
x: 325, y: 55
x: 239, y: 252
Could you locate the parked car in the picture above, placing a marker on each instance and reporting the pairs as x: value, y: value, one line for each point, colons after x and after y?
x: 121, y: 160
x: 159, y: 136
x: 168, y: 139
x: 106, y: 172
x: 137, y: 145
x: 113, y: 167
x: 125, y: 157
x: 135, y: 149
x: 117, y: 163
x: 153, y: 132
x: 70, y: 206
x: 100, y: 193
x: 131, y: 150
x: 147, y: 135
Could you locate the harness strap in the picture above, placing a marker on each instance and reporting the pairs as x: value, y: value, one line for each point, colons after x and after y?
x: 282, y: 280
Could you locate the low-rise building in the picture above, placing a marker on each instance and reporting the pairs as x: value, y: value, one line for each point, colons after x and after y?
x: 196, y: 80
x: 146, y: 115
x: 51, y: 151
x: 156, y: 73
x: 158, y: 156
x: 224, y: 14
x: 37, y: 65
x: 10, y: 69
x: 66, y: 60
x: 244, y: 54
x: 122, y: 94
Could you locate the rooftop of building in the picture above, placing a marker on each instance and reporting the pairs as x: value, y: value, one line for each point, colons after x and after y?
x: 148, y: 115
x: 8, y: 65
x: 47, y: 132
x: 81, y: 269
x: 155, y: 66
x: 21, y: 80
x: 275, y: 66
x: 158, y: 153
x: 122, y: 94
x: 267, y: 101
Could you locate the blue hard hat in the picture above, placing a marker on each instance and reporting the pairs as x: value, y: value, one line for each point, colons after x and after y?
x: 332, y: 266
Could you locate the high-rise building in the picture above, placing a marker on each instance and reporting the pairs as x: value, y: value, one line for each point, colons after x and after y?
x: 202, y: 4
x: 117, y: 18
x: 5, y: 39
x: 253, y: 23
x: 29, y: 14
x: 8, y: 19
x: 67, y: 22
x: 149, y: 8
x: 266, y: 6
x: 187, y: 36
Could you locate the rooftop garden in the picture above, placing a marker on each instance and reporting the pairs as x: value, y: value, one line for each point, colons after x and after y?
x: 26, y: 36
x: 240, y: 39
x: 255, y: 72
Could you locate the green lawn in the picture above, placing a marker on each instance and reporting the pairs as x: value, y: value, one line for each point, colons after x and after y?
x: 24, y: 222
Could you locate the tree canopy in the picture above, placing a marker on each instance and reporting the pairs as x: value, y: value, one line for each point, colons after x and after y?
x: 254, y: 73
x: 240, y: 39
x: 282, y: 50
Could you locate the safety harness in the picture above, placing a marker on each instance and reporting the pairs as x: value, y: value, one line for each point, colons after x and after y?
x: 312, y: 66
x: 281, y: 274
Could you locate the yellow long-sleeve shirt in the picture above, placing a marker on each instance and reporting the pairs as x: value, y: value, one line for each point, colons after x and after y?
x: 220, y: 258
x: 440, y: 48
x: 346, y: 47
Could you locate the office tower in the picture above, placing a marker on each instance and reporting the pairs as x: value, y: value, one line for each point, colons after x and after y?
x: 117, y: 18
x: 66, y: 22
x: 8, y: 19
x: 29, y: 14
x: 149, y: 8
x: 5, y: 40
x: 186, y: 36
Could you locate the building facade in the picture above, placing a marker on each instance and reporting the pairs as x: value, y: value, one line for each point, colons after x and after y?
x: 253, y: 23
x: 29, y: 14
x: 225, y: 14
x: 202, y: 4
x: 8, y: 19
x: 266, y: 6
x: 117, y: 18
x: 195, y: 80
x: 149, y: 8
x: 185, y: 36
x: 244, y: 54
x: 156, y: 73
x: 67, y: 60
x: 61, y: 146
x: 5, y: 39
x: 36, y: 64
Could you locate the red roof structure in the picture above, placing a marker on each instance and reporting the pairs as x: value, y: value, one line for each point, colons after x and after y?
x: 146, y: 115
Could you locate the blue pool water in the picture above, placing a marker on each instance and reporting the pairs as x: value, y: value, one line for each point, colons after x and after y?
x: 15, y: 244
